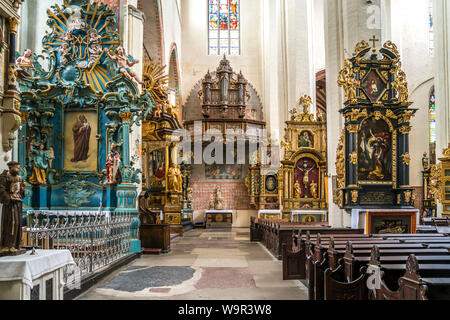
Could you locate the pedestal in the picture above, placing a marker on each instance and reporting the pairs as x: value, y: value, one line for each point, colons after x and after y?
x: 155, y: 236
x: 372, y: 220
x: 34, y: 277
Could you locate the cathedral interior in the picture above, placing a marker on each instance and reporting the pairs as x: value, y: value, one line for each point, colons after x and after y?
x: 224, y: 150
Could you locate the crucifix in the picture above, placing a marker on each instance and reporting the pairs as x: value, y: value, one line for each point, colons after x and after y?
x: 374, y: 41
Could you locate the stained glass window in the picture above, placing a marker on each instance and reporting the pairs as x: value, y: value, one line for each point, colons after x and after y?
x: 432, y: 109
x: 430, y: 27
x: 224, y: 27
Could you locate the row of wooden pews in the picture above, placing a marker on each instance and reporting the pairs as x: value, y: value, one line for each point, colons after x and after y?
x: 360, y: 267
x: 274, y: 233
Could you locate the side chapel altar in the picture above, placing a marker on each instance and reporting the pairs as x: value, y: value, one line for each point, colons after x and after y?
x: 77, y: 115
x: 373, y: 155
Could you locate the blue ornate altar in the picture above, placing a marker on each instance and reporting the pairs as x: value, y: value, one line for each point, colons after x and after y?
x: 77, y: 116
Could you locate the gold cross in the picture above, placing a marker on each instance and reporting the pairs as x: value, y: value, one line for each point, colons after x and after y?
x: 374, y: 40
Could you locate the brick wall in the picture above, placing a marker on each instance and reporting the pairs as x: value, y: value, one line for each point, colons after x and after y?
x: 113, y: 4
x: 234, y: 193
x: 419, y: 198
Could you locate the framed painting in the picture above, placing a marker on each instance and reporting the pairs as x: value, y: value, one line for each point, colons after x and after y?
x: 391, y: 223
x: 375, y: 151
x: 374, y: 86
x: 306, y: 140
x: 80, y: 142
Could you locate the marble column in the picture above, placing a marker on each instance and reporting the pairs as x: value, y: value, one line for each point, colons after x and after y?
x: 346, y: 23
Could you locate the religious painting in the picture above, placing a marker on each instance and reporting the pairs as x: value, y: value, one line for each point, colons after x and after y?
x: 157, y: 168
x: 224, y: 172
x: 373, y: 86
x: 391, y: 223
x: 271, y: 183
x: 306, y: 179
x: 80, y: 142
x: 375, y: 151
x: 306, y: 140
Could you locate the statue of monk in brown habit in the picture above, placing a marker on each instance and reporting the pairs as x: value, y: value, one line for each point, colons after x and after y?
x: 81, y: 137
x: 12, y: 191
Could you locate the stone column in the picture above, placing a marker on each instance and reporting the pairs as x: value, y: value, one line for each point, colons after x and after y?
x: 442, y: 76
x: 346, y: 23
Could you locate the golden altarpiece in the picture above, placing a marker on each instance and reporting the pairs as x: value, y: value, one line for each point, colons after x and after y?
x: 262, y: 182
x: 303, y: 173
x: 440, y: 181
x: 162, y: 178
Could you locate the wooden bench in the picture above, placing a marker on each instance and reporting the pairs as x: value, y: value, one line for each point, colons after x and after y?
x: 343, y: 283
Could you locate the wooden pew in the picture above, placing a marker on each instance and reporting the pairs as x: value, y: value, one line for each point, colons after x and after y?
x: 339, y: 285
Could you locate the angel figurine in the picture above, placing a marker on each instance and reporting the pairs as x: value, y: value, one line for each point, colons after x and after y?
x: 124, y: 63
x: 25, y: 63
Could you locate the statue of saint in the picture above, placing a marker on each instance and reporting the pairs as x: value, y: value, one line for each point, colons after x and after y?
x: 425, y: 161
x: 124, y: 63
x: 12, y: 192
x: 224, y: 82
x: 313, y: 190
x: 174, y: 179
x: 297, y: 190
x: 81, y: 138
x: 41, y: 162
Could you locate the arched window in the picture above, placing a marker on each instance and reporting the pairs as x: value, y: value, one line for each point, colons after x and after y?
x: 430, y: 29
x: 432, y: 108
x: 224, y: 27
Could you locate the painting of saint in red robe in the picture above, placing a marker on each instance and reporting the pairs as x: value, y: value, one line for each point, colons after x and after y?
x: 81, y: 137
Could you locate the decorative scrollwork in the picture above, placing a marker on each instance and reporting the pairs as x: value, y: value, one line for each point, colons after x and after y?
x: 360, y: 47
x: 389, y: 45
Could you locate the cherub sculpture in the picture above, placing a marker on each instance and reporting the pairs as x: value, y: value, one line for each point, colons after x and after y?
x: 124, y: 63
x: 25, y: 63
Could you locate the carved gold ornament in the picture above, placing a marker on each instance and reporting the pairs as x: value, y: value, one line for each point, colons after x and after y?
x: 446, y: 152
x: 305, y: 102
x: 352, y: 128
x: 405, y: 130
x: 435, y: 181
x: 355, y: 114
x: 406, y: 158
x: 355, y: 196
x: 354, y: 158
x: 361, y: 46
x: 408, y: 195
x: 340, y: 171
x: 389, y: 45
x: 401, y: 84
x: 347, y: 80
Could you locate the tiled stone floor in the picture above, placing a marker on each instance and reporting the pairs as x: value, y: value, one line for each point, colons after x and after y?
x: 203, y: 265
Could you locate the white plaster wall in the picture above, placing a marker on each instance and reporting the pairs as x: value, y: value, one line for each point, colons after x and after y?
x: 171, y: 17
x: 195, y: 60
x: 408, y: 28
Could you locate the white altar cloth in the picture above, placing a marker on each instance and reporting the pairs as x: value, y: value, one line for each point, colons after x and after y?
x: 27, y: 267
